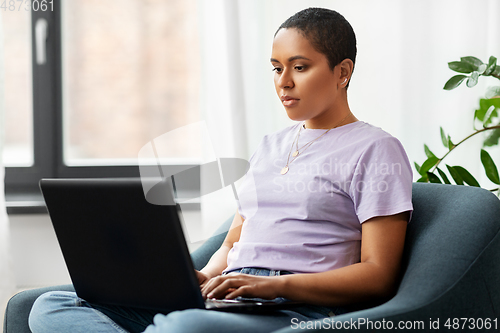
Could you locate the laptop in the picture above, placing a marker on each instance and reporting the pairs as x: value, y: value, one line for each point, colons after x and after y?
x: 122, y: 250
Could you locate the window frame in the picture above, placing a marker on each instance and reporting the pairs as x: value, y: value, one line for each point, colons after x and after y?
x: 22, y: 191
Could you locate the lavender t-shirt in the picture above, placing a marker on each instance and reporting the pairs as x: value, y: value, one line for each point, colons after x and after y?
x: 309, y: 219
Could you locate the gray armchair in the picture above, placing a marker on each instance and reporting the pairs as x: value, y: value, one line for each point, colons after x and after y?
x: 451, y: 268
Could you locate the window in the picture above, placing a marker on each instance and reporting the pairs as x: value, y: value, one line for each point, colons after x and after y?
x: 112, y: 76
x: 18, y: 147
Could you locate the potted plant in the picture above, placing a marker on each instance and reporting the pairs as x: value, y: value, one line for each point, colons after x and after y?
x: 486, y: 119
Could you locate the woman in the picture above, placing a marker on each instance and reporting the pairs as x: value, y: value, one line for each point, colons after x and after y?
x: 323, y: 209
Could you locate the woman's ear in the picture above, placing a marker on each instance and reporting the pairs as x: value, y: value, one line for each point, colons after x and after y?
x: 346, y: 68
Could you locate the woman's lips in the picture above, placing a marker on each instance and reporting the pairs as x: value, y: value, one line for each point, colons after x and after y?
x: 289, y: 101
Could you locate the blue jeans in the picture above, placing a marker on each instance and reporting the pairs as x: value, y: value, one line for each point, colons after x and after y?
x: 65, y: 312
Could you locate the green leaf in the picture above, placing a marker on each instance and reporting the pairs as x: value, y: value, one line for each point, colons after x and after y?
x: 482, y: 68
x: 493, y: 101
x: 454, y: 82
x: 423, y: 179
x: 433, y: 178
x: 492, y: 92
x: 479, y: 115
x: 489, y: 115
x: 489, y: 167
x: 444, y: 139
x: 466, y: 176
x: 461, y: 67
x: 428, y: 152
x: 490, y: 70
x: 492, y: 61
x: 494, y: 115
x: 455, y: 175
x: 485, y: 105
x: 417, y: 167
x: 450, y: 143
x: 483, y: 108
x: 428, y: 164
x: 496, y: 71
x: 443, y: 175
x: 475, y: 62
x: 472, y: 80
x: 492, y: 139
x: 491, y: 66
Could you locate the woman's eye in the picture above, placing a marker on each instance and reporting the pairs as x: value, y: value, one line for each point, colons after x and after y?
x: 300, y: 68
x: 277, y: 69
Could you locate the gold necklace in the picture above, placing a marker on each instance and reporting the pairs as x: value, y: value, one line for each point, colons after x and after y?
x: 297, y: 152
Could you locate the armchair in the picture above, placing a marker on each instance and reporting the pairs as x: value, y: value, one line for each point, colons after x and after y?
x: 451, y: 268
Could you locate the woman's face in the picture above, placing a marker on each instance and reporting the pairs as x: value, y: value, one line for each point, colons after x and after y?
x: 308, y: 88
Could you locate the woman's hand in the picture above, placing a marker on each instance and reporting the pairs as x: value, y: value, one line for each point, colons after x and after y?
x: 202, y: 278
x: 233, y: 285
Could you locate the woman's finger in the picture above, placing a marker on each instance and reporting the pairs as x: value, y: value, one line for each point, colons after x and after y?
x: 226, y: 286
x: 243, y: 291
x: 212, y: 284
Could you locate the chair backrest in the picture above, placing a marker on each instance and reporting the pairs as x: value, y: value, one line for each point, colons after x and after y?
x: 450, y: 228
x: 201, y: 255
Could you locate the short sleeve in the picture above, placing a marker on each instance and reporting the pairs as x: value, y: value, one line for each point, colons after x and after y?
x: 382, y: 180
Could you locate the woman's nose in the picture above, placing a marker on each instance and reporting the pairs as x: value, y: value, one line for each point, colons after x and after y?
x: 285, y: 81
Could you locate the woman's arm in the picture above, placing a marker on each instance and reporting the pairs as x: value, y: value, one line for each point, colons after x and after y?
x: 374, y: 277
x: 218, y: 261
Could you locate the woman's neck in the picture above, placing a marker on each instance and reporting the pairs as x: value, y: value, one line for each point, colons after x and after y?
x: 340, y: 119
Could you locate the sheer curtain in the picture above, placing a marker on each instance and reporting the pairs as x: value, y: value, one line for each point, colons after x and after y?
x: 401, y: 68
x: 6, y: 273
x: 403, y: 51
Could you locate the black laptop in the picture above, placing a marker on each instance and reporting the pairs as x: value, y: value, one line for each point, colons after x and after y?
x: 120, y: 249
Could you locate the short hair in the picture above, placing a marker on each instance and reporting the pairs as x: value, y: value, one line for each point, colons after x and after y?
x: 327, y: 31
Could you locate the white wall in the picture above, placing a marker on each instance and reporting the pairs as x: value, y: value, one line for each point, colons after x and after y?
x: 37, y: 258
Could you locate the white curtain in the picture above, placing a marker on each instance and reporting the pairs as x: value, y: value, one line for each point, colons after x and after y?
x: 402, y: 65
x: 401, y: 68
x: 6, y: 272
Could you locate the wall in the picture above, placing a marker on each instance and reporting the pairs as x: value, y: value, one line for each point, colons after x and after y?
x: 38, y: 261
x: 37, y: 258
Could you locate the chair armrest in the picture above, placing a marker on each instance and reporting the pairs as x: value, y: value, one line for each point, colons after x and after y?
x: 467, y: 298
x: 19, y: 307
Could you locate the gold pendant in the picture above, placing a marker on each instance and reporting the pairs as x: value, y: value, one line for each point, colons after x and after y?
x: 295, y: 153
x: 284, y: 170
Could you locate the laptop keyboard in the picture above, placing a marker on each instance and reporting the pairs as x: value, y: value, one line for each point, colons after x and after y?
x: 219, y: 303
